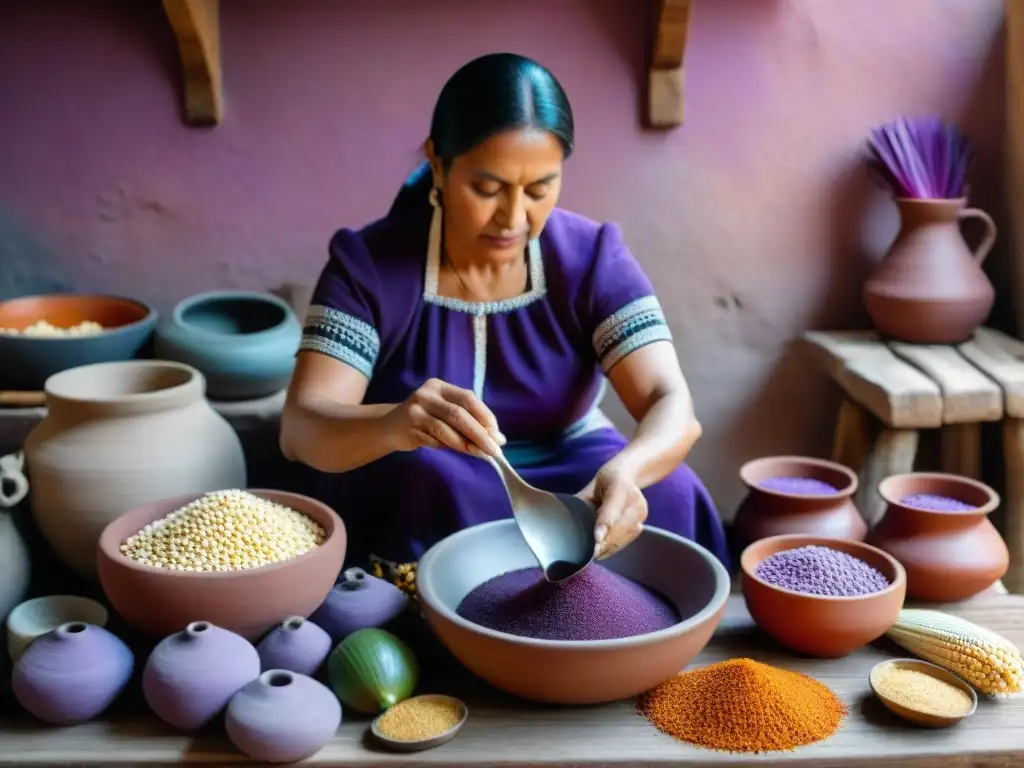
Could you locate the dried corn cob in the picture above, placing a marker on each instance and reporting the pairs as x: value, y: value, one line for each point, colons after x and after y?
x: 986, y: 660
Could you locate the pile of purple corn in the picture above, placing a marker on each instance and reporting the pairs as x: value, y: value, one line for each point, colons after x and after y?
x: 798, y: 486
x: 815, y: 570
x: 596, y: 604
x: 935, y: 503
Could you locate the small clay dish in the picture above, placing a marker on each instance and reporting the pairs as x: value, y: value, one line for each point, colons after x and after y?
x: 421, y: 744
x: 822, y: 625
x: 927, y: 719
x: 41, y: 615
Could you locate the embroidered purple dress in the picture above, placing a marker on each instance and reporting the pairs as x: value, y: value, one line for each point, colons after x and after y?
x: 537, y: 360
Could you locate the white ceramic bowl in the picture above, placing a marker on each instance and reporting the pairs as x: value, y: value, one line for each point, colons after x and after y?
x: 36, y: 617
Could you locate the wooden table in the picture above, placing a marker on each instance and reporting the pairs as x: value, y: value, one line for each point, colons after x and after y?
x: 501, y: 732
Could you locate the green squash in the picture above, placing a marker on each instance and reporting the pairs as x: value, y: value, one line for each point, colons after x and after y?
x: 371, y: 670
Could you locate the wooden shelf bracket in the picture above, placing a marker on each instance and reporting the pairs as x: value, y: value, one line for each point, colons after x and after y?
x: 665, y: 78
x: 196, y: 25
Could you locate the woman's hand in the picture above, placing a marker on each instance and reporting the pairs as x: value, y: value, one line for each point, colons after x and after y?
x: 441, y: 415
x: 621, y: 509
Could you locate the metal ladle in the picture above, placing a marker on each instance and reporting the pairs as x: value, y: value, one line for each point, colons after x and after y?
x: 558, y: 528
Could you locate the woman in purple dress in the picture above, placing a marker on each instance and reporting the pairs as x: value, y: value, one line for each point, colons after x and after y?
x: 477, y: 317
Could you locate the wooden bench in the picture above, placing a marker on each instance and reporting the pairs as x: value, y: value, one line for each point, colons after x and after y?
x: 892, y: 391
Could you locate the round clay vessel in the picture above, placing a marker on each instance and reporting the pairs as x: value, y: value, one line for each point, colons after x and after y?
x: 359, y: 601
x: 820, y: 625
x: 15, y: 566
x: 282, y: 717
x: 949, y: 556
x: 191, y: 676
x: 72, y: 674
x: 30, y: 360
x: 563, y: 671
x: 296, y: 645
x: 766, y: 512
x: 930, y: 287
x: 243, y: 342
x: 158, y: 601
x: 119, y: 435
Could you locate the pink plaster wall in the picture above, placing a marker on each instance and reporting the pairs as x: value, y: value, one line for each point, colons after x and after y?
x: 755, y: 219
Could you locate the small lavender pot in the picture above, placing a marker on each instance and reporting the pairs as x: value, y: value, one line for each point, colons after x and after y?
x: 72, y: 674
x: 282, y: 717
x: 359, y: 601
x: 191, y: 675
x: 296, y: 645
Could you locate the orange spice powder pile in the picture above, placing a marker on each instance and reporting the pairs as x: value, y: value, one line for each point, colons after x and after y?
x: 742, y: 705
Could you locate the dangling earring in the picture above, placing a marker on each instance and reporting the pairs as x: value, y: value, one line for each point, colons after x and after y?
x: 436, y: 225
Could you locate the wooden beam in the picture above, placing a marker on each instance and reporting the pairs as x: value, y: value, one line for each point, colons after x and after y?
x: 1014, y: 25
x: 196, y: 24
x: 665, y: 78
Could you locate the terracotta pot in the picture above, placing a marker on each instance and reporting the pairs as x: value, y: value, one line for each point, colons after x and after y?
x: 930, y: 288
x: 769, y: 512
x: 118, y: 435
x: 949, y: 556
x: 818, y: 625
x: 158, y: 601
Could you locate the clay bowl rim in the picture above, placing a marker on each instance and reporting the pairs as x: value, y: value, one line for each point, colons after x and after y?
x: 110, y: 548
x: 853, y: 482
x: 885, y: 491
x: 149, y: 318
x: 803, y: 540
x: 926, y: 717
x: 723, y: 589
x: 54, y: 381
x: 183, y: 306
x: 418, y: 745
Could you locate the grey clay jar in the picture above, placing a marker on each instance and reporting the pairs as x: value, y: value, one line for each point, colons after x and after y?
x: 297, y: 645
x: 191, y: 675
x: 243, y: 342
x: 282, y: 717
x: 72, y: 674
x: 359, y: 601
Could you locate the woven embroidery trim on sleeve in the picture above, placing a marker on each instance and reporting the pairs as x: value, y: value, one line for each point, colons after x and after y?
x: 339, y: 335
x: 639, y: 323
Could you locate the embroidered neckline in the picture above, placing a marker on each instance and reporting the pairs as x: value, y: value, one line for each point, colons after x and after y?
x: 538, y: 285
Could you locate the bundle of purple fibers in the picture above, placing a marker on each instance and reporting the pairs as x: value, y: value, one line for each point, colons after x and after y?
x: 596, y: 604
x: 924, y: 158
x: 825, y: 571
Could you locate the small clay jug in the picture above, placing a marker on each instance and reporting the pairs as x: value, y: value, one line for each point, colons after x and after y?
x: 359, y: 601
x: 72, y: 674
x: 930, y: 288
x: 191, y: 676
x: 282, y: 717
x: 948, y: 556
x: 296, y: 645
x: 15, y: 566
x: 768, y: 512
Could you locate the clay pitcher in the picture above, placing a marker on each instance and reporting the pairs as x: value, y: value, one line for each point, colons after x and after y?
x: 949, y: 556
x: 15, y: 567
x: 930, y: 288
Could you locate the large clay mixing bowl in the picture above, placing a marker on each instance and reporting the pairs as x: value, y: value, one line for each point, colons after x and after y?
x: 30, y: 360
x: 159, y: 602
x: 572, y: 672
x: 819, y: 625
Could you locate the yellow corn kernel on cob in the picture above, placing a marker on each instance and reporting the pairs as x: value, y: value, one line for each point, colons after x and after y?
x: 986, y: 660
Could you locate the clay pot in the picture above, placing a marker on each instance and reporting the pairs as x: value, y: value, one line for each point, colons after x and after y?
x: 15, y: 567
x: 296, y: 645
x: 30, y: 360
x: 191, y: 676
x: 930, y: 288
x: 243, y: 342
x: 282, y: 717
x: 118, y: 435
x: 768, y: 512
x: 949, y: 556
x: 817, y: 625
x: 158, y: 601
x: 72, y: 674
x: 359, y: 601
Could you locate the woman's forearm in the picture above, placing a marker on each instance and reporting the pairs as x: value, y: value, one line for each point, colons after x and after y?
x: 334, y: 437
x: 662, y: 440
